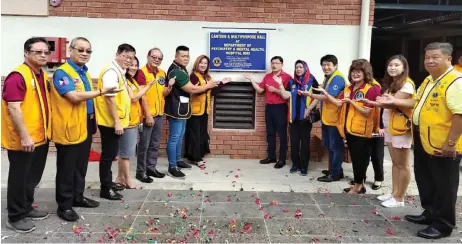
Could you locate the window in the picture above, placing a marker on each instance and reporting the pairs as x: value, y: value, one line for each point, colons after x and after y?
x: 234, y: 107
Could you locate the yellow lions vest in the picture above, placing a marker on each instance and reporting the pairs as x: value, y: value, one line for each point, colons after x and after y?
x: 33, y: 110
x: 198, y: 102
x: 69, y: 120
x: 399, y: 124
x: 155, y: 95
x: 135, y: 107
x: 435, y: 116
x: 355, y: 123
x: 376, y: 111
x: 122, y: 100
x: 330, y: 112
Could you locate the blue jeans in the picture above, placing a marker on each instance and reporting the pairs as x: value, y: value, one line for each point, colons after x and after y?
x: 177, y: 129
x: 333, y: 142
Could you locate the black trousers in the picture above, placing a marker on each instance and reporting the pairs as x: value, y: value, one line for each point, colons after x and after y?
x: 71, y: 169
x: 360, y: 149
x: 197, y: 138
x: 377, y: 155
x: 25, y: 172
x: 276, y: 122
x: 109, y: 150
x: 437, y: 179
x: 300, y: 143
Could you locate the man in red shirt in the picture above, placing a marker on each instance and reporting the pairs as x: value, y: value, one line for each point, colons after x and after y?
x: 25, y: 120
x: 275, y: 110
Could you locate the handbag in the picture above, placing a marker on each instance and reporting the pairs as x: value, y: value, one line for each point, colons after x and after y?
x: 408, y: 123
x: 315, y: 115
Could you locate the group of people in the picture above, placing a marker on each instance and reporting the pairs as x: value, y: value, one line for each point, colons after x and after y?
x: 129, y: 101
x: 365, y: 113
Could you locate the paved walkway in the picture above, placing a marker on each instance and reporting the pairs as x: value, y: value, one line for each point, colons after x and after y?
x: 264, y: 203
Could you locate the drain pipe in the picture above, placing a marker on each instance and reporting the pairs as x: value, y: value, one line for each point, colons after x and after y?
x: 364, y: 34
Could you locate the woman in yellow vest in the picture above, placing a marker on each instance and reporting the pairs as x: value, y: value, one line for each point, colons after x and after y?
x: 356, y: 121
x: 196, y: 135
x: 397, y: 128
x: 127, y: 142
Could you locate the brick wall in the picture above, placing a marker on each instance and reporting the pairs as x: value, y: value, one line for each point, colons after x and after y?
x: 326, y: 12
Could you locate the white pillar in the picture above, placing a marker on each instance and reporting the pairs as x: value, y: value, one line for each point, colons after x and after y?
x: 364, y: 34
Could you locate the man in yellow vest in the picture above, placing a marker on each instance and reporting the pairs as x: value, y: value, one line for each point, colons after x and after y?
x: 25, y: 133
x: 73, y: 123
x: 334, y: 83
x: 153, y: 109
x: 112, y: 116
x: 437, y: 120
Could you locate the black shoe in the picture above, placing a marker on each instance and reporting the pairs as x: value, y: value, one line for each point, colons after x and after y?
x: 68, y: 214
x: 176, y: 173
x: 418, y: 219
x: 329, y: 178
x: 327, y: 172
x: 280, y: 164
x: 362, y: 191
x: 118, y: 187
x: 110, y: 194
x: 303, y: 172
x: 86, y: 203
x: 431, y: 233
x: 154, y: 173
x: 267, y: 161
x: 376, y: 187
x: 294, y: 169
x: 144, y: 178
x: 183, y: 165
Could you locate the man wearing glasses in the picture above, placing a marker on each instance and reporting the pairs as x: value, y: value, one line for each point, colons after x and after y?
x: 275, y: 111
x: 25, y: 133
x: 112, y: 116
x: 153, y: 109
x: 73, y: 123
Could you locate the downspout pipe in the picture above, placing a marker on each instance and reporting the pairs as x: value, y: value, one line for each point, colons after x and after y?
x: 364, y: 34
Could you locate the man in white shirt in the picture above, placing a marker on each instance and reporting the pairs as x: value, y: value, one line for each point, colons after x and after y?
x: 112, y: 116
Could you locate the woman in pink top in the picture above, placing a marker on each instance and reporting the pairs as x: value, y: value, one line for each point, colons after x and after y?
x: 397, y: 83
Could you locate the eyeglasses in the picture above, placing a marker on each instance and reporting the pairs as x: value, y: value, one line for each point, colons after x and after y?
x: 128, y: 58
x: 79, y: 50
x: 276, y: 63
x: 156, y: 58
x: 36, y: 52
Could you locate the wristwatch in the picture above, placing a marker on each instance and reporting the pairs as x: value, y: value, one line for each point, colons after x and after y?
x: 451, y: 143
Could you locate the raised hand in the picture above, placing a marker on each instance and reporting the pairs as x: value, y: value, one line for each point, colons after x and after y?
x: 248, y: 76
x: 226, y: 80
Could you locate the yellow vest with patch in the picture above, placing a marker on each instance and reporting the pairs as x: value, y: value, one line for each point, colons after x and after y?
x: 155, y: 95
x: 33, y: 111
x: 355, y: 123
x: 69, y: 120
x: 198, y: 102
x: 330, y: 112
x: 135, y: 107
x: 399, y: 124
x: 122, y: 100
x: 435, y: 117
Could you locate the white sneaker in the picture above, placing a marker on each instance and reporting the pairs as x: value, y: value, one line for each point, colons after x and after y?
x: 384, y: 197
x: 392, y: 203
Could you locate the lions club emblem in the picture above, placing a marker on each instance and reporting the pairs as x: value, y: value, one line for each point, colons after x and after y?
x: 216, y: 61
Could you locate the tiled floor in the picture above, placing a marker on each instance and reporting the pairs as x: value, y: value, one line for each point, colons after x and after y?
x: 163, y: 216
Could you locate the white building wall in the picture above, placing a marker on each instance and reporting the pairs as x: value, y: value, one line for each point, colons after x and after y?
x: 291, y: 41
